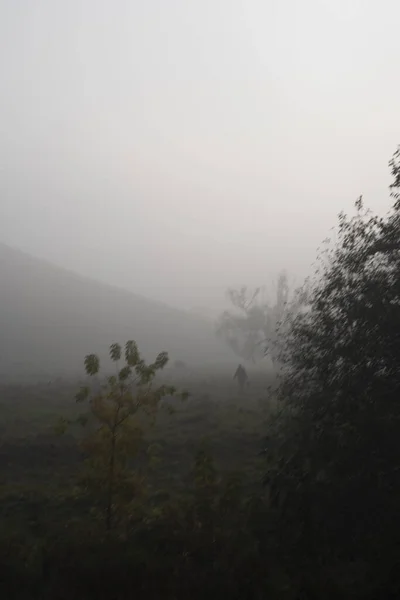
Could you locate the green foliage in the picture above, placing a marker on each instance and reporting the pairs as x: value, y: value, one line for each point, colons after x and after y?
x: 92, y: 364
x: 117, y: 414
x: 115, y: 352
x: 83, y: 394
x: 333, y: 474
x: 394, y: 165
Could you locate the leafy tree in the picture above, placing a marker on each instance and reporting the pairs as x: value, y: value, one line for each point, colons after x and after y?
x: 118, y: 410
x: 333, y: 449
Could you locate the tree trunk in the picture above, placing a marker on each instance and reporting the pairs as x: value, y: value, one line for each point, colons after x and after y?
x: 110, y: 493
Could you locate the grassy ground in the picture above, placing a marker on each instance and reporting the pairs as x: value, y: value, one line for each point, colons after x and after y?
x: 35, y: 462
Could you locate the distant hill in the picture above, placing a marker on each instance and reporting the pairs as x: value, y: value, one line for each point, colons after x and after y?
x: 51, y: 318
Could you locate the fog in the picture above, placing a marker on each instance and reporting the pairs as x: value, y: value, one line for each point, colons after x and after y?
x: 175, y: 148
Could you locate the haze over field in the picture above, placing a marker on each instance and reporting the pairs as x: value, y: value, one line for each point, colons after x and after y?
x: 175, y: 148
x: 51, y: 318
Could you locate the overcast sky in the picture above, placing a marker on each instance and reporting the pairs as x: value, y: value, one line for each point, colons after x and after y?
x: 176, y: 147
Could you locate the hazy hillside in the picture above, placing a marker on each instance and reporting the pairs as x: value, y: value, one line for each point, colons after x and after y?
x: 50, y: 318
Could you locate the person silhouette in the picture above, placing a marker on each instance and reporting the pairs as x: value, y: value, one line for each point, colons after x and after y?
x: 241, y: 376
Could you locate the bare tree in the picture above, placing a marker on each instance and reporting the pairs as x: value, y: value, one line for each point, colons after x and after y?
x: 252, y: 327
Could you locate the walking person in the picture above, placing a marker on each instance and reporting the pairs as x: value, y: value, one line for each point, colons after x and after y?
x: 241, y: 376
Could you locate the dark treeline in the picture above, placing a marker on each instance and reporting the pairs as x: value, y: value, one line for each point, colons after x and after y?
x: 322, y: 522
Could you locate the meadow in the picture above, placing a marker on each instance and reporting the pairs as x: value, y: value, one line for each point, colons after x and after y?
x: 37, y: 463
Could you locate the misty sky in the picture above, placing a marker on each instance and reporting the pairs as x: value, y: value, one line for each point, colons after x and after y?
x: 176, y: 147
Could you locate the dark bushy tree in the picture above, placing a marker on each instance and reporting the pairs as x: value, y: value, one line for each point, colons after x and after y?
x: 333, y: 451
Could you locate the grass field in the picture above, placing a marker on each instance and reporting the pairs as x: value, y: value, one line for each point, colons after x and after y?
x: 36, y: 462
